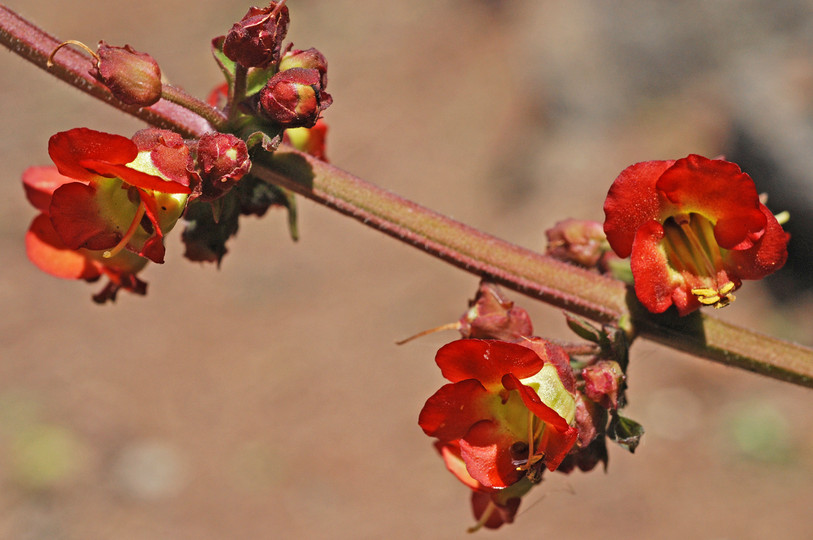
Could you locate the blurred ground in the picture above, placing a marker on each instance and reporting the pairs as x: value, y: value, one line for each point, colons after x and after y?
x: 267, y: 400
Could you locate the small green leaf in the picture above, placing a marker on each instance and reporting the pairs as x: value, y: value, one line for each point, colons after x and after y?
x: 582, y: 328
x: 627, y: 433
x: 226, y: 66
x: 257, y: 78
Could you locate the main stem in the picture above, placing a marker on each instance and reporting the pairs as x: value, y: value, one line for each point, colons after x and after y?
x: 576, y: 290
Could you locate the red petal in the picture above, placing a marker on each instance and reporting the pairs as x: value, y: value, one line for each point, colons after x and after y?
x: 767, y: 256
x: 40, y: 183
x: 135, y: 178
x: 153, y: 248
x: 49, y: 254
x: 557, y: 444
x: 718, y: 190
x: 556, y: 355
x: 452, y: 410
x: 486, y: 360
x: 531, y: 400
x: 450, y: 452
x: 69, y: 149
x: 486, y: 449
x: 656, y: 285
x: 501, y: 514
x: 631, y: 202
x: 77, y: 219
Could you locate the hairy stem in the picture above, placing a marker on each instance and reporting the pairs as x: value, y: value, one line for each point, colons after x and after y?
x: 579, y: 291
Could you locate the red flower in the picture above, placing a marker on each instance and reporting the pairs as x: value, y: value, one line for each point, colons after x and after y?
x: 491, y: 507
x: 694, y: 228
x: 106, y: 205
x: 508, y: 408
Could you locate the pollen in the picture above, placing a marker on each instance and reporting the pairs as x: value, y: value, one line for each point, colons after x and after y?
x: 719, y: 298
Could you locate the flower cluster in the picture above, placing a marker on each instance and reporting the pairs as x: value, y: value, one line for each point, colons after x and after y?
x: 107, y: 205
x: 515, y: 406
x: 283, y: 89
x: 694, y: 229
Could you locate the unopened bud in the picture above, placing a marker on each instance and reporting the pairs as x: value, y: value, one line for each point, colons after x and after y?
x: 256, y: 40
x: 310, y: 59
x: 492, y: 316
x: 603, y: 383
x: 222, y: 160
x: 577, y: 241
x: 294, y: 98
x: 133, y: 77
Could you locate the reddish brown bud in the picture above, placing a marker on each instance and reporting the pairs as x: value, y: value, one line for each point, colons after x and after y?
x: 603, y: 382
x: 492, y: 316
x: 577, y: 241
x: 222, y: 160
x: 131, y: 76
x: 256, y: 40
x: 294, y: 98
x: 310, y: 59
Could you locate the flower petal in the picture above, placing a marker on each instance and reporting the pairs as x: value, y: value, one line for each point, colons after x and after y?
x: 766, y: 256
x: 486, y: 449
x: 718, y: 190
x: 534, y: 404
x: 500, y: 514
x: 656, y: 285
x: 80, y: 221
x: 68, y: 149
x: 486, y: 360
x: 47, y: 251
x: 450, y: 452
x: 454, y: 408
x: 40, y: 183
x: 631, y: 202
x: 135, y: 178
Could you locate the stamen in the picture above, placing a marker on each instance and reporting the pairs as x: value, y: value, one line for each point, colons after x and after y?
x: 484, y: 518
x: 448, y: 326
x: 50, y: 62
x: 719, y: 298
x: 782, y: 217
x: 142, y: 208
x: 698, y: 250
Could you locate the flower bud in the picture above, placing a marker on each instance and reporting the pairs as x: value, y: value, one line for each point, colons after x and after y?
x: 310, y: 59
x: 577, y: 241
x: 222, y: 160
x: 604, y: 383
x: 294, y: 98
x: 256, y: 40
x: 133, y: 77
x: 492, y: 316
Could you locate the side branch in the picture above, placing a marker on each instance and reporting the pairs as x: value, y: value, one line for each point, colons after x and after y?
x: 73, y: 67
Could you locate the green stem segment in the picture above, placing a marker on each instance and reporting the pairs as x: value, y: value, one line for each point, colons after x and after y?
x: 571, y: 288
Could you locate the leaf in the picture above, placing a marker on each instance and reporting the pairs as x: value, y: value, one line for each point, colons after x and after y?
x: 226, y: 65
x: 583, y: 329
x: 256, y: 196
x: 264, y: 140
x: 257, y: 78
x: 627, y: 433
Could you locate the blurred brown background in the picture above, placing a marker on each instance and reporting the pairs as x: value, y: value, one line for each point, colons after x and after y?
x: 267, y: 400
